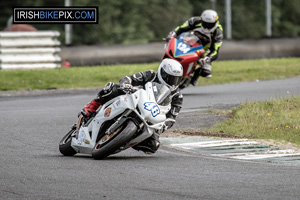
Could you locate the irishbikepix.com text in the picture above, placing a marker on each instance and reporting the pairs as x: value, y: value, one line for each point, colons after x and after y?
x: 40, y: 15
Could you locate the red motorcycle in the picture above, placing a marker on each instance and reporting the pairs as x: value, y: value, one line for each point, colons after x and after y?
x: 186, y: 49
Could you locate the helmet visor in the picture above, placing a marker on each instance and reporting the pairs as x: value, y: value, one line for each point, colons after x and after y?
x: 208, y: 25
x: 170, y: 79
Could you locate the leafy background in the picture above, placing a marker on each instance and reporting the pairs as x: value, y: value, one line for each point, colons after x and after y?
x: 136, y: 21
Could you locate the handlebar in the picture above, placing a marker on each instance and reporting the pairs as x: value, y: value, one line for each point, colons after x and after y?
x: 128, y: 90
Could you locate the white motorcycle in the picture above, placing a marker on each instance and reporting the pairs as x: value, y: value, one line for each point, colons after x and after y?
x: 120, y: 123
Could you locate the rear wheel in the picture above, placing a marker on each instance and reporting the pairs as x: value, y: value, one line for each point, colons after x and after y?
x: 65, y: 147
x: 109, y: 144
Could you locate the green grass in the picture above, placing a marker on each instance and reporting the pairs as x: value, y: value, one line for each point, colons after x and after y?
x: 81, y: 77
x: 76, y: 77
x: 250, y: 70
x: 274, y: 119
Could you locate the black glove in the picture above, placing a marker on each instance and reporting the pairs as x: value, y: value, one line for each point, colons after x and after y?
x: 128, y: 88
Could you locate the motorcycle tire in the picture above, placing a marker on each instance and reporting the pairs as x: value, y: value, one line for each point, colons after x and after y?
x: 121, y: 137
x: 65, y: 147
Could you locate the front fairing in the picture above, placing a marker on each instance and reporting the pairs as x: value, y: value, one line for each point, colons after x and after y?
x: 186, y: 44
x: 186, y: 49
x: 151, y: 104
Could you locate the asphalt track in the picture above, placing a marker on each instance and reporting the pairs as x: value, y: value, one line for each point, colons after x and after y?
x: 31, y: 166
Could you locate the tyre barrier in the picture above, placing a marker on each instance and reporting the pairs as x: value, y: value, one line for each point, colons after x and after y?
x: 28, y: 50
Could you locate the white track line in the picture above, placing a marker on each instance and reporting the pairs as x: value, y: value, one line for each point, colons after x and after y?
x: 238, y: 155
x: 267, y: 154
x: 214, y: 143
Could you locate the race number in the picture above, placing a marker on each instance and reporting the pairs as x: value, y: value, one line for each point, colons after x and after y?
x: 152, y: 107
x: 183, y: 47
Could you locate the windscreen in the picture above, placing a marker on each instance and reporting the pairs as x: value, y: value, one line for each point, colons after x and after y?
x: 191, y: 39
x: 161, y: 93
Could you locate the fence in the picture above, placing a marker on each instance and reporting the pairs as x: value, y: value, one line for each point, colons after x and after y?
x: 29, y: 50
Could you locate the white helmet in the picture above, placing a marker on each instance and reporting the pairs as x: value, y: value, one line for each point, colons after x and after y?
x: 170, y: 73
x: 209, y: 19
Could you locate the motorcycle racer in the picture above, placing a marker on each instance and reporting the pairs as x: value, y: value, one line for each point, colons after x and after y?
x: 208, y: 29
x: 169, y: 73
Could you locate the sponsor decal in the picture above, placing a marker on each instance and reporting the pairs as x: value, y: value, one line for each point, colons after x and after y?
x: 107, y: 112
x: 86, y: 141
x: 81, y: 137
x: 118, y: 103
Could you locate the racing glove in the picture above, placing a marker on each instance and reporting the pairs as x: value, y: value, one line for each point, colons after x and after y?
x: 203, y: 61
x: 126, y: 87
x: 171, y: 35
x: 205, y: 67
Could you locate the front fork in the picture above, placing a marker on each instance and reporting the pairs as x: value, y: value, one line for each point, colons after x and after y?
x: 80, y: 119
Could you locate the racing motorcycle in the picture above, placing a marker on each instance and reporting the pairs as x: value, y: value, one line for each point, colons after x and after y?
x: 186, y: 50
x: 122, y: 122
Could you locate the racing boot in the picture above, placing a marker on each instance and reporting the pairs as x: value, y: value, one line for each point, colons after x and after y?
x: 206, y: 70
x: 148, y: 146
x: 90, y: 109
x: 195, y: 77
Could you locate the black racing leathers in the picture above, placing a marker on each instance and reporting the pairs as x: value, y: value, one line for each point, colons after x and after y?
x: 142, y: 78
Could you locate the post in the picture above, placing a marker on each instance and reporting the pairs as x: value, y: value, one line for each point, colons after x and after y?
x: 269, y: 18
x: 68, y: 27
x: 213, y: 4
x: 9, y: 23
x: 228, y: 19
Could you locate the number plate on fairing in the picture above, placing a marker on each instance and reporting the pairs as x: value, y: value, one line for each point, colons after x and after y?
x: 153, y: 108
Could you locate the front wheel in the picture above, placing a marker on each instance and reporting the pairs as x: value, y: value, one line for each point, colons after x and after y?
x: 109, y: 144
x: 65, y: 147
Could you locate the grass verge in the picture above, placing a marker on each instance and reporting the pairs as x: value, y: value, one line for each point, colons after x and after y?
x: 274, y: 119
x: 83, y: 77
x: 76, y: 77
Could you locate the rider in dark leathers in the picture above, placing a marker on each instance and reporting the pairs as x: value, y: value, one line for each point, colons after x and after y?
x: 210, y: 32
x: 112, y: 90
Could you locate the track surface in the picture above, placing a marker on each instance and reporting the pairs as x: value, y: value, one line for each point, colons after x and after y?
x: 31, y: 166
